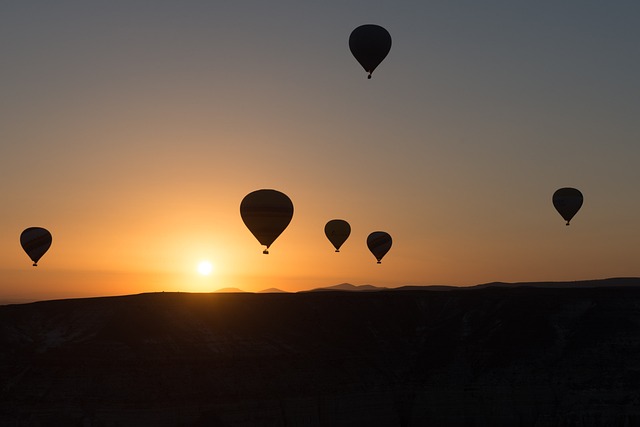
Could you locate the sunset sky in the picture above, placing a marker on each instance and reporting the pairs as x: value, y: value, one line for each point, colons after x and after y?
x: 133, y: 129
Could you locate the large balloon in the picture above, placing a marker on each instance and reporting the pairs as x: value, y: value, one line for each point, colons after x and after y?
x: 379, y: 243
x: 370, y: 44
x: 337, y: 231
x: 35, y: 241
x: 567, y: 202
x: 266, y: 213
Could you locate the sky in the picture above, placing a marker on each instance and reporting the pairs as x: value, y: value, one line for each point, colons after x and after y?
x: 132, y: 130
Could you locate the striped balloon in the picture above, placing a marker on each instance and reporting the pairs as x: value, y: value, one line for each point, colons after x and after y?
x: 35, y: 241
x: 379, y: 243
x: 337, y: 231
x: 266, y: 213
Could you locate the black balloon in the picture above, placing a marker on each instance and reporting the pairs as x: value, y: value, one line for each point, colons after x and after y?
x: 567, y: 202
x: 370, y: 44
x: 35, y: 241
x: 337, y: 231
x: 266, y: 213
x: 379, y: 243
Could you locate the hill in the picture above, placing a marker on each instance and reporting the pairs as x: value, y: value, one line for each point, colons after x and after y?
x: 228, y: 290
x: 485, y: 356
x: 348, y: 287
x: 272, y: 291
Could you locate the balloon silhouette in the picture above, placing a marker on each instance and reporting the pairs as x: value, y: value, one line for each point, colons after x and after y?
x: 370, y: 44
x: 35, y: 241
x: 379, y: 243
x: 266, y: 213
x: 567, y: 202
x: 337, y: 231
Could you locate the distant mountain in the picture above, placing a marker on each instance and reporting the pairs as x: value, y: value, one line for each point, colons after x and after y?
x: 272, y: 291
x: 609, y: 282
x: 427, y: 288
x: 348, y: 287
x: 229, y: 290
x: 16, y: 301
x: 485, y: 356
x: 617, y: 281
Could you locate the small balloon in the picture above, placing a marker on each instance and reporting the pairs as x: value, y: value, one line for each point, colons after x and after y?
x: 35, y: 241
x: 370, y: 44
x: 337, y: 231
x: 266, y: 213
x: 379, y: 243
x: 567, y: 202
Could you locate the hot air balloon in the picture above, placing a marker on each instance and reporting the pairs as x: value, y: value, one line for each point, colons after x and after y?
x: 379, y: 243
x: 266, y: 213
x: 567, y: 202
x: 370, y: 44
x: 337, y: 231
x: 35, y: 241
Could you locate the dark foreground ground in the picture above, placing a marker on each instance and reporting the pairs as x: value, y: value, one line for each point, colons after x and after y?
x: 493, y: 356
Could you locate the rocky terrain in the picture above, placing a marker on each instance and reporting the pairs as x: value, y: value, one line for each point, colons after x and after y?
x: 488, y: 356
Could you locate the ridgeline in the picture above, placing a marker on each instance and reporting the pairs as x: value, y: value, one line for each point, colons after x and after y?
x: 487, y: 356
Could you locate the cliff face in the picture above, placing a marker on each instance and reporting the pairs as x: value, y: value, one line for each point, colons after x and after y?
x: 484, y: 357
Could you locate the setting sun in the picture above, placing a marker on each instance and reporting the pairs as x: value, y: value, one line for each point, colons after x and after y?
x: 205, y: 268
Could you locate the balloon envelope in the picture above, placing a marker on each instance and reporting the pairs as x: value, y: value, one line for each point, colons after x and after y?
x: 379, y: 243
x: 567, y: 202
x: 337, y: 231
x: 266, y: 213
x: 370, y: 44
x: 35, y: 241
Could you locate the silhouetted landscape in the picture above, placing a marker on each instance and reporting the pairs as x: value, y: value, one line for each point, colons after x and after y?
x: 528, y: 354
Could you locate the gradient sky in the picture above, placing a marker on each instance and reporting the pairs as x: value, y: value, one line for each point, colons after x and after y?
x: 133, y: 129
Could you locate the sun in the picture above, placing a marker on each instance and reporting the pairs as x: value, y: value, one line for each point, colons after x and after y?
x: 205, y: 268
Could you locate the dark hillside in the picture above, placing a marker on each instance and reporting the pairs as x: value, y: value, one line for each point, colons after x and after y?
x: 493, y: 356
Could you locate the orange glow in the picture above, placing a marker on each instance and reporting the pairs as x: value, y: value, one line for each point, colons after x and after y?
x: 134, y: 134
